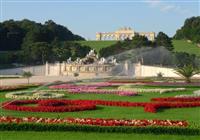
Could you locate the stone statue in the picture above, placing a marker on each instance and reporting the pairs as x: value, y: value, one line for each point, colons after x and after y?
x: 69, y: 60
x: 114, y: 61
x: 102, y: 60
x: 77, y: 60
x: 91, y: 53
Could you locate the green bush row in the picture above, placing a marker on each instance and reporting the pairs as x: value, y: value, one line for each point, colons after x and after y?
x: 108, y: 129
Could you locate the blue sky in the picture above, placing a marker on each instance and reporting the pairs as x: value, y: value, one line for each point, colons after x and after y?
x: 86, y: 17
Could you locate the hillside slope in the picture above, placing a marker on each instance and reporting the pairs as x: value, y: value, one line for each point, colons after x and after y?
x: 97, y: 45
x: 184, y: 46
x: 179, y: 46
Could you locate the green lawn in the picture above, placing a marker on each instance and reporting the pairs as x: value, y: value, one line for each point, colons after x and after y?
x: 179, y: 45
x: 97, y: 45
x: 189, y: 114
x: 11, y: 135
x: 184, y: 46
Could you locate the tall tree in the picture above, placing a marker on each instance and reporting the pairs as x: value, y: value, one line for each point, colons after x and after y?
x: 37, y: 53
x: 190, y: 30
x: 163, y: 40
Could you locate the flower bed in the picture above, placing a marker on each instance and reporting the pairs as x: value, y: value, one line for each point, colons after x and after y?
x: 153, y: 107
x: 93, y: 89
x: 173, y: 99
x: 17, y: 87
x: 99, y: 91
x: 94, y: 121
x: 34, y: 95
x: 61, y: 105
x: 49, y: 105
x: 160, y: 90
x: 155, y: 83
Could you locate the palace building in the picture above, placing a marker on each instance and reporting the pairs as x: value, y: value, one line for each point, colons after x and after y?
x: 123, y: 33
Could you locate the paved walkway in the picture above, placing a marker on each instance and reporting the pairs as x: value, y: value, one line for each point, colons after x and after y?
x: 42, y: 79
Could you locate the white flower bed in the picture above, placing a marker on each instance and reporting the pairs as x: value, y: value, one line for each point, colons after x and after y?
x: 43, y: 94
x: 160, y: 90
x: 195, y: 94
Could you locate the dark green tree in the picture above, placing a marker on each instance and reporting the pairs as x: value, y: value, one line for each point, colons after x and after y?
x: 190, y: 30
x: 183, y: 58
x: 163, y: 40
x: 27, y: 75
x: 37, y: 53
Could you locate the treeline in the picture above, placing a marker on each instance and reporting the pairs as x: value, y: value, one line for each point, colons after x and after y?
x: 190, y: 30
x: 28, y: 42
x: 40, y: 52
x: 14, y: 35
x: 137, y: 42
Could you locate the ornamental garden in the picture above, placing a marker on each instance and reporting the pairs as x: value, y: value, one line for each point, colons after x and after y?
x: 106, y: 107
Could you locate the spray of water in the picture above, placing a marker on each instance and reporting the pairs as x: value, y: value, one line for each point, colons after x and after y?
x: 144, y: 55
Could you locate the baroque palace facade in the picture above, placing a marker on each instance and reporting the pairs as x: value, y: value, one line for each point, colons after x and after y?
x: 123, y: 33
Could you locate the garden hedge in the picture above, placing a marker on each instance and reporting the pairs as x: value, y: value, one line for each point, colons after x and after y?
x: 86, y: 128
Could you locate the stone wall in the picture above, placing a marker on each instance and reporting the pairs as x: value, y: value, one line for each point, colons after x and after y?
x: 70, y: 69
x: 59, y: 69
x: 35, y: 70
x: 152, y: 71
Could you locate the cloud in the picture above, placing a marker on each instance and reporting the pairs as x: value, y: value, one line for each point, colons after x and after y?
x: 167, y: 7
x: 153, y: 3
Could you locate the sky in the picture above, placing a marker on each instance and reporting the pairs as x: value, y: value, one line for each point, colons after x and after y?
x: 86, y: 17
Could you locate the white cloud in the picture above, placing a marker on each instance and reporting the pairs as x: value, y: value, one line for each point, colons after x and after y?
x: 167, y: 7
x: 153, y: 3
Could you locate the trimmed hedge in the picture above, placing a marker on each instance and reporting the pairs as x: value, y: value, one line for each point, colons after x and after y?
x: 101, y: 129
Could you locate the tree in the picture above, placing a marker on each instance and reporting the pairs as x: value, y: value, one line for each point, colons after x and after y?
x: 120, y: 46
x: 15, y: 34
x: 183, y: 58
x: 61, y: 53
x: 190, y: 30
x: 38, y: 53
x: 140, y: 41
x: 27, y: 75
x: 77, y: 50
x: 11, y: 36
x: 187, y: 72
x: 163, y: 40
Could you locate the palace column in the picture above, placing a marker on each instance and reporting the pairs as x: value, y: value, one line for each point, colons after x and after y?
x: 47, y: 69
x: 98, y: 36
x: 117, y: 36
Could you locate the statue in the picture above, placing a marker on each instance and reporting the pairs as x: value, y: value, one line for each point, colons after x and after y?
x: 69, y: 60
x: 91, y: 53
x: 102, y: 60
x: 114, y: 61
x: 77, y: 60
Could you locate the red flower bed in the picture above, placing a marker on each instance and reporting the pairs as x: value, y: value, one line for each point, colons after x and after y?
x: 49, y: 105
x: 152, y: 107
x: 172, y: 99
x: 79, y: 105
x: 94, y: 121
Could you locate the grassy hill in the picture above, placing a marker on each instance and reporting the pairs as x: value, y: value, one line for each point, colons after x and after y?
x: 97, y: 45
x: 179, y: 45
x: 184, y: 46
